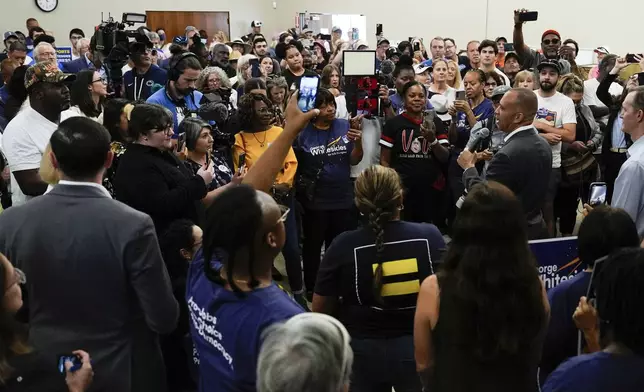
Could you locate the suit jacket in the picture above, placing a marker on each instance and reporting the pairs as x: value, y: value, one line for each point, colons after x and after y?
x: 524, y: 165
x: 95, y: 281
x: 615, y: 107
x: 75, y: 66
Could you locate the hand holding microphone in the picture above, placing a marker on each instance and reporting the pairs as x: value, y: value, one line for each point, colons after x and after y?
x: 467, y: 158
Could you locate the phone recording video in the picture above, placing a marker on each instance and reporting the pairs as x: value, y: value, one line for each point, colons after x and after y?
x: 379, y: 29
x: 529, y: 16
x: 181, y: 141
x: 74, y: 359
x: 508, y: 47
x: 597, y: 194
x: 460, y: 95
x: 630, y: 58
x: 640, y: 78
x: 308, y: 92
x: 256, y: 72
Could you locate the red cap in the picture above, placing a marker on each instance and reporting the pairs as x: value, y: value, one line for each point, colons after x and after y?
x: 555, y: 32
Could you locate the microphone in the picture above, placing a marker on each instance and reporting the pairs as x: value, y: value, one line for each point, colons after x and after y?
x: 214, y: 111
x: 476, y: 138
x: 387, y: 67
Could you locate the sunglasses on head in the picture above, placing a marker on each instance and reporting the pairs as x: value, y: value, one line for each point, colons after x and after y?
x: 553, y: 41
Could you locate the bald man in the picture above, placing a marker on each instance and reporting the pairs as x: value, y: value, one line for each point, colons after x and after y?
x: 524, y: 161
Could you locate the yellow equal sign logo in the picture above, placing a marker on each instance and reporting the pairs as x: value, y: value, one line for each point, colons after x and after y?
x: 399, y: 267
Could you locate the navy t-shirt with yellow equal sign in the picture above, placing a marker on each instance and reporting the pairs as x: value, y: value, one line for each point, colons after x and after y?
x: 409, y: 256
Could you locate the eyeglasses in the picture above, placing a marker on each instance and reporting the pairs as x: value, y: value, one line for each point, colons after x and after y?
x: 167, y: 130
x: 284, y: 210
x: 102, y: 80
x: 553, y: 41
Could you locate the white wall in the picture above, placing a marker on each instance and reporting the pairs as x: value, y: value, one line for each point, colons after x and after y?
x: 86, y: 14
x: 616, y: 24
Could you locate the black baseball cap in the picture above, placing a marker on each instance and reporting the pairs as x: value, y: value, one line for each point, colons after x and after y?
x: 514, y: 55
x: 549, y: 63
x: 382, y: 41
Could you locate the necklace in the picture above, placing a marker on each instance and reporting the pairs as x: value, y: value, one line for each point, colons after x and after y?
x: 261, y: 143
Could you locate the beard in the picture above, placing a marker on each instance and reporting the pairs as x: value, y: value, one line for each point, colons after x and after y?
x: 547, y: 86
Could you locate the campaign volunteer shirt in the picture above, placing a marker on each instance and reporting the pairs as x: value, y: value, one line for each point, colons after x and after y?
x: 226, y: 328
x: 561, y: 338
x: 331, y: 149
x: 556, y: 111
x: 482, y: 112
x: 180, y: 109
x: 598, y: 372
x: 347, y: 271
x: 411, y: 154
x: 139, y: 87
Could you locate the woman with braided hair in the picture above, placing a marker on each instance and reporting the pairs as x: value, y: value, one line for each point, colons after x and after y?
x: 377, y: 270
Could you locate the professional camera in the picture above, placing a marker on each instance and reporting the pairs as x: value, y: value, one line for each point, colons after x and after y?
x: 111, y: 43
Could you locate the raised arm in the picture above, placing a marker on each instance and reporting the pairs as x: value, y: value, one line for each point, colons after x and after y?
x: 517, y: 35
x: 263, y: 172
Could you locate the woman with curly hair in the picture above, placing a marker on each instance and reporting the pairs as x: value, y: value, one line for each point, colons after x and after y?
x: 257, y: 133
x: 213, y: 80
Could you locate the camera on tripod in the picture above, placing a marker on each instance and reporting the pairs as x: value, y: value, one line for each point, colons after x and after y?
x: 111, y: 42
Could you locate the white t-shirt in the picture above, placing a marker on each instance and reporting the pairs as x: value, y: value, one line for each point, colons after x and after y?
x: 24, y: 142
x: 556, y: 111
x: 450, y: 94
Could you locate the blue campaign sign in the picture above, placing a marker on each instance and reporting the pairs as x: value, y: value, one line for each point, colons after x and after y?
x: 557, y: 259
x: 64, y: 54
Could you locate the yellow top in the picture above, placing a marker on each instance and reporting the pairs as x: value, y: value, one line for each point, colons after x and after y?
x: 251, y: 144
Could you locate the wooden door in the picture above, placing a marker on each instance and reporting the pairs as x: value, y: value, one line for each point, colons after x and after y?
x: 175, y: 22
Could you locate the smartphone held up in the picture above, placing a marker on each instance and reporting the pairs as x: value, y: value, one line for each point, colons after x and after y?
x: 308, y: 93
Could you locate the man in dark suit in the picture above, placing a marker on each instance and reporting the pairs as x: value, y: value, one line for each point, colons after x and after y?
x: 95, y: 275
x: 75, y: 66
x: 523, y: 163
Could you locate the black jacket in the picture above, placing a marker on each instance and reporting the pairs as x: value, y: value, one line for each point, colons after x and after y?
x: 34, y: 372
x: 158, y: 184
x: 615, y: 106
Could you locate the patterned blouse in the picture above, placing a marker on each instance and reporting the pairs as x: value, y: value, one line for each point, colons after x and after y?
x: 223, y: 172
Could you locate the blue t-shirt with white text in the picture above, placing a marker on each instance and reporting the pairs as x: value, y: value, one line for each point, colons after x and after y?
x: 139, y: 87
x: 329, y: 150
x: 226, y: 328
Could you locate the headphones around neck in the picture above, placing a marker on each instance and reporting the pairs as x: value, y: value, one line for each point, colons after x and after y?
x: 174, y: 73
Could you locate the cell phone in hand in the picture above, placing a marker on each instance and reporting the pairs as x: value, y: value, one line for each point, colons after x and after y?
x: 630, y: 58
x: 508, y: 47
x: 242, y: 161
x: 640, y: 78
x: 428, y: 118
x: 529, y: 16
x: 460, y: 95
x: 308, y: 93
x: 76, y: 361
x: 379, y: 29
x: 255, y: 72
x: 181, y: 141
x: 597, y: 194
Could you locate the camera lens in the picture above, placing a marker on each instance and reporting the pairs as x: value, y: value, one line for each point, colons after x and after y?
x: 154, y: 52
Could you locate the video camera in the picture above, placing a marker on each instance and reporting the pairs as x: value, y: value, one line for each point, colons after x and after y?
x: 111, y: 42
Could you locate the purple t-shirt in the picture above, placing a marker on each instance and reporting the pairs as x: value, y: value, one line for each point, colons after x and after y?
x: 226, y: 328
x: 598, y: 372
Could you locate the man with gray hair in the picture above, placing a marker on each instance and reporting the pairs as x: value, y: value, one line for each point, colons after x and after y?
x: 308, y: 353
x: 44, y: 52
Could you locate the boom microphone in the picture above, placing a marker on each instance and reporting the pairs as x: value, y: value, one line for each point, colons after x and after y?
x: 387, y: 67
x: 476, y: 138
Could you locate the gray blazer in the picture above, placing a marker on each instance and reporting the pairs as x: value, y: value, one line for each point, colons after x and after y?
x: 524, y: 165
x: 96, y: 281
